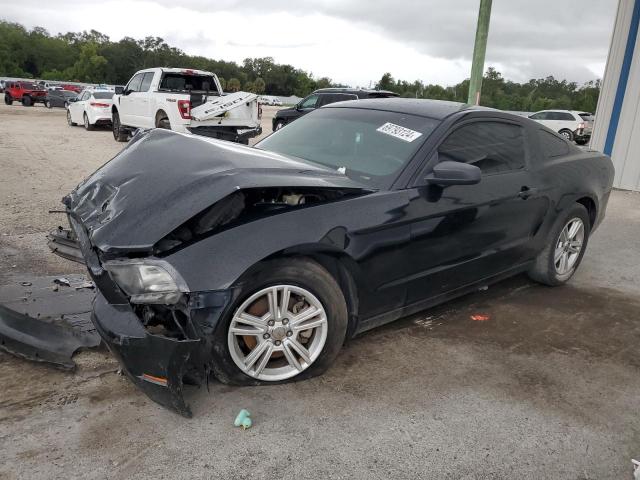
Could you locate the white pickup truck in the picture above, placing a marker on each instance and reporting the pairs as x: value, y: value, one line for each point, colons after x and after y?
x: 185, y: 101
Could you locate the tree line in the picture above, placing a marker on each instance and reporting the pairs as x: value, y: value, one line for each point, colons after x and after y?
x: 536, y: 94
x: 93, y: 58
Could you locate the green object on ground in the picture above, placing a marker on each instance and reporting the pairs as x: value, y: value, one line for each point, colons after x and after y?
x: 243, y: 419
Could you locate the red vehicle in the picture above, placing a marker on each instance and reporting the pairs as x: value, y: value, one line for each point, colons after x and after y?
x: 26, y: 92
x: 72, y: 88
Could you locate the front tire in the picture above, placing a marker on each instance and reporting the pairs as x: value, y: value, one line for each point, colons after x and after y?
x: 119, y: 134
x: 47, y: 104
x: 279, y: 125
x: 288, y: 323
x: 565, y: 248
x: 70, y: 122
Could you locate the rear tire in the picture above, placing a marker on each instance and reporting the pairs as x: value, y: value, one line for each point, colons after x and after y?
x: 47, y: 104
x: 568, y: 134
x: 118, y: 133
x: 87, y: 124
x: 27, y: 101
x: 279, y: 125
x: 8, y: 99
x: 307, y: 276
x: 162, y: 121
x: 546, y: 269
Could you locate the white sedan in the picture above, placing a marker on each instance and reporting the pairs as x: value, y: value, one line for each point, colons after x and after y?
x: 90, y: 109
x: 571, y: 124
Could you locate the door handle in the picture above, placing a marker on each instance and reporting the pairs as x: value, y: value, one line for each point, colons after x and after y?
x: 526, y: 192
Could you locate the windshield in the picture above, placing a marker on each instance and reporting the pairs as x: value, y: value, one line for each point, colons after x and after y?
x: 29, y: 86
x: 370, y: 146
x: 102, y: 95
x: 180, y: 82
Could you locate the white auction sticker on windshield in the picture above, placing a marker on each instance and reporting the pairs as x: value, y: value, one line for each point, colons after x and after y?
x: 400, y: 132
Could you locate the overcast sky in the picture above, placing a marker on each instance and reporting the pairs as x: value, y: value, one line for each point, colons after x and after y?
x: 355, y: 41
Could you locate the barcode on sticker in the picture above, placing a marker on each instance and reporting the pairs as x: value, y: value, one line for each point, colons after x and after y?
x: 398, y: 131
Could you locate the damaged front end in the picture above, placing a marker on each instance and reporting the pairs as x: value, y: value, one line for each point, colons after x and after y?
x: 164, y: 193
x: 158, y: 330
x: 178, y: 351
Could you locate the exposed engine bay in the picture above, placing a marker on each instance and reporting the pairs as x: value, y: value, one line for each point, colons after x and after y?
x: 246, y: 205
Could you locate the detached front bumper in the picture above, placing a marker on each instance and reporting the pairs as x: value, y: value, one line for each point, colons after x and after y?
x: 158, y: 364
x: 155, y: 363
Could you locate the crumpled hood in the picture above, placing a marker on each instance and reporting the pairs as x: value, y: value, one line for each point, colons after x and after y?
x: 163, y: 178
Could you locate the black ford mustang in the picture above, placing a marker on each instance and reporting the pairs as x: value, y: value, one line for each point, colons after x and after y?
x: 255, y: 264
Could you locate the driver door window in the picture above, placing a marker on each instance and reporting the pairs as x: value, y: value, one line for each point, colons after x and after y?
x: 309, y: 102
x: 494, y: 147
x: 128, y: 102
x: 539, y: 116
x: 134, y: 84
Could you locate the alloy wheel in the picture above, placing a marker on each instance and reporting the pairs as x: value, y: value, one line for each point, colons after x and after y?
x: 277, y: 332
x: 569, y: 246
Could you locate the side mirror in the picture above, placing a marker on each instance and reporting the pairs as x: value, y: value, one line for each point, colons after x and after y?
x: 299, y: 107
x: 454, y: 173
x: 73, y: 99
x: 119, y: 90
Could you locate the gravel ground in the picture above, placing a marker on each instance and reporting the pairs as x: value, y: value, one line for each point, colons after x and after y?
x: 547, y: 388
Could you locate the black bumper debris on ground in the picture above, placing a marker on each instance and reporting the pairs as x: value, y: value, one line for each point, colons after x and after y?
x: 45, y: 320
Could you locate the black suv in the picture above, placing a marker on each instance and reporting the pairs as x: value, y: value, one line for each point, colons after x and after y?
x: 325, y: 96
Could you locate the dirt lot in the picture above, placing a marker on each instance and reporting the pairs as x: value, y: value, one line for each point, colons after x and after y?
x: 547, y: 388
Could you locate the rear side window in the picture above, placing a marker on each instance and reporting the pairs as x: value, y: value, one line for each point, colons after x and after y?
x: 494, y: 147
x: 551, y: 145
x: 146, y: 82
x: 560, y: 116
x: 566, y: 116
x: 327, y: 98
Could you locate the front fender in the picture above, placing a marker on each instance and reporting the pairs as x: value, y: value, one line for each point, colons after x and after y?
x: 350, y: 227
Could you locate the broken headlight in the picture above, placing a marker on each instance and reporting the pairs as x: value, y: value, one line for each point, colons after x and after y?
x: 147, y: 281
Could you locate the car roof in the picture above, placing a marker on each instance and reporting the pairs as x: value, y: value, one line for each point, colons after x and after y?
x: 436, y: 109
x: 355, y: 90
